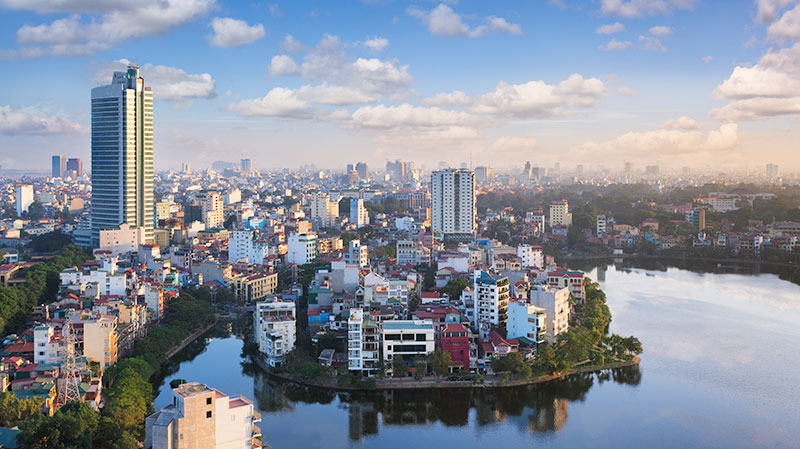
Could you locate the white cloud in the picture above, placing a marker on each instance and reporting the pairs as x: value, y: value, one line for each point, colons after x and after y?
x: 275, y: 10
x: 683, y: 122
x: 234, y: 33
x: 615, y: 45
x: 627, y: 91
x: 119, y: 21
x: 291, y: 45
x: 768, y: 9
x: 651, y: 43
x: 405, y: 124
x: 168, y: 83
x: 787, y: 27
x: 502, y: 25
x: 665, y: 142
x: 537, y: 99
x: 32, y: 121
x: 660, y: 30
x: 707, y: 58
x: 377, y: 43
x: 335, y: 95
x: 515, y: 144
x: 279, y: 102
x: 610, y: 28
x: 282, y: 65
x: 767, y: 89
x: 443, y: 21
x: 631, y: 9
x: 455, y: 98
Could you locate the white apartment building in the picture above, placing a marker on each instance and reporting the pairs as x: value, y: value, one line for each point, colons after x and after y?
x: 202, y: 417
x: 122, y: 154
x: 213, y: 208
x: 363, y: 342
x: 531, y: 256
x: 358, y: 214
x: 536, y: 221
x: 453, y: 213
x: 573, y: 280
x: 123, y: 240
x: 301, y: 248
x: 384, y: 289
x: 105, y: 282
x: 24, y: 198
x: 244, y: 245
x: 406, y: 339
x: 559, y: 214
x: 526, y: 320
x: 602, y: 226
x: 274, y: 323
x: 324, y: 211
x: 357, y: 254
x: 409, y: 252
x: 48, y: 346
x: 490, y: 299
x: 555, y: 302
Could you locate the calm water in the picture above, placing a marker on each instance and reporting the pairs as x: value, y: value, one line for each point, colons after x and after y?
x: 720, y: 369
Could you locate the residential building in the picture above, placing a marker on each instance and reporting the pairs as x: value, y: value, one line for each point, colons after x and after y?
x: 274, y: 329
x: 573, y: 280
x: 409, y: 252
x: 358, y: 213
x: 213, y: 207
x: 363, y: 342
x: 484, y: 175
x: 201, y: 417
x: 531, y: 256
x: 122, y: 154
x: 490, y: 298
x: 559, y: 214
x: 245, y: 246
x: 100, y: 339
x: 24, y: 198
x: 301, y: 248
x: 555, y: 302
x: 405, y: 339
x: 122, y: 240
x: 357, y: 254
x: 454, y: 338
x: 697, y: 217
x: 526, y: 322
x: 254, y: 287
x: 324, y: 211
x: 602, y: 226
x: 453, y: 212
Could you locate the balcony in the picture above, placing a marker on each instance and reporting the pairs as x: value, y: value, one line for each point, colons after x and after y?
x: 256, y: 431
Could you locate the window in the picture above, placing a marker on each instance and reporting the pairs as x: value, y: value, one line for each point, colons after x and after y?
x: 208, y: 401
x: 208, y: 414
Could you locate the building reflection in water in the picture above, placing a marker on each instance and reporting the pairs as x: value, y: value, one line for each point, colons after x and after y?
x: 539, y: 408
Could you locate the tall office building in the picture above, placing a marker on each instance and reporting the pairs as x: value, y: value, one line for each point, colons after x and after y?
x: 453, y: 214
x: 74, y: 167
x: 122, y: 154
x: 363, y: 170
x: 246, y: 166
x: 213, y: 209
x: 772, y: 171
x: 59, y: 166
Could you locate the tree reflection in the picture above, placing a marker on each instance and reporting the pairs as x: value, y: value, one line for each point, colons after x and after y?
x: 534, y: 408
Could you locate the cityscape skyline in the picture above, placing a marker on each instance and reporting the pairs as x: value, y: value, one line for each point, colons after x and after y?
x: 669, y: 83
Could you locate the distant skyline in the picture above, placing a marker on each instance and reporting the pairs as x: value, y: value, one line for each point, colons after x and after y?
x: 674, y: 82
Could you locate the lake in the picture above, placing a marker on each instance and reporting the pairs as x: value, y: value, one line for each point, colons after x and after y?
x: 719, y: 371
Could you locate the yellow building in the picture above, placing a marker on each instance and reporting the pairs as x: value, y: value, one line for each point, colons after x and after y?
x: 559, y: 214
x: 254, y: 287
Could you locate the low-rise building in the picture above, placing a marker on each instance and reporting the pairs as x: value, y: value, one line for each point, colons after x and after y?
x: 455, y: 340
x: 274, y: 329
x: 254, y: 287
x: 405, y: 339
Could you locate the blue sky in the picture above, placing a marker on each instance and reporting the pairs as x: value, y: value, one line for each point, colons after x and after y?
x: 678, y: 82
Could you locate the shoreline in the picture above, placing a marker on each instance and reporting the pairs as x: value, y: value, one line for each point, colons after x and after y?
x: 682, y: 258
x: 435, y: 383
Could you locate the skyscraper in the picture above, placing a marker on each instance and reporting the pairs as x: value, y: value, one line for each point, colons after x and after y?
x: 74, y: 165
x: 453, y: 214
x: 772, y: 171
x: 122, y: 154
x: 363, y: 170
x: 59, y: 166
x: 358, y: 213
x: 24, y: 198
x: 246, y: 166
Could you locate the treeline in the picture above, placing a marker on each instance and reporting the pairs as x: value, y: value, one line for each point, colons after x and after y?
x: 41, y: 287
x: 128, y: 391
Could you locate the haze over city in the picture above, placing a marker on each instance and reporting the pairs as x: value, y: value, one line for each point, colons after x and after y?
x: 669, y: 82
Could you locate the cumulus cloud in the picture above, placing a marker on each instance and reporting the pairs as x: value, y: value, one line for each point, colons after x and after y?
x: 610, y: 28
x: 615, y: 45
x: 118, y: 21
x: 683, y: 122
x: 787, y: 27
x: 377, y: 43
x: 631, y: 9
x: 768, y: 9
x: 443, y: 21
x: 502, y: 25
x: 651, y: 44
x: 449, y: 99
x: 660, y: 30
x: 537, y: 99
x: 279, y: 102
x: 291, y: 45
x: 627, y: 91
x: 406, y: 124
x: 769, y: 88
x: 32, y: 121
x: 234, y: 33
x: 168, y: 83
x: 282, y: 65
x: 664, y: 141
x: 515, y: 144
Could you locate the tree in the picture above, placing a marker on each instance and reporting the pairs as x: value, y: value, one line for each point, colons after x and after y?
x: 454, y: 288
x: 326, y: 341
x: 399, y: 367
x: 546, y: 358
x: 35, y: 211
x: 632, y: 346
x: 440, y: 361
x: 420, y: 367
x: 14, y: 411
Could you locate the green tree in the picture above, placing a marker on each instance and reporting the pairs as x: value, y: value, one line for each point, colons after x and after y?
x: 440, y: 361
x: 399, y: 367
x: 14, y: 411
x: 454, y: 288
x: 546, y: 358
x: 35, y: 211
x: 420, y: 367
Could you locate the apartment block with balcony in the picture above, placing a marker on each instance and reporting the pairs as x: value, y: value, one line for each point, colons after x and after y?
x: 490, y: 301
x: 274, y: 329
x: 363, y: 342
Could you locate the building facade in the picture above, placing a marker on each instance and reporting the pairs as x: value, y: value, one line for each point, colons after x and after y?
x: 274, y: 329
x: 453, y: 212
x: 490, y: 301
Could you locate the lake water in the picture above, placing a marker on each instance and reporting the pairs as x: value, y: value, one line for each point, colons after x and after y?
x: 720, y: 370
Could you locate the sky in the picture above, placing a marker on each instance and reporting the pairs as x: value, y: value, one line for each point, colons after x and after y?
x: 700, y: 83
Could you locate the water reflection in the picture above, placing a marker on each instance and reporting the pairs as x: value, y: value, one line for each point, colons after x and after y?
x: 539, y: 408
